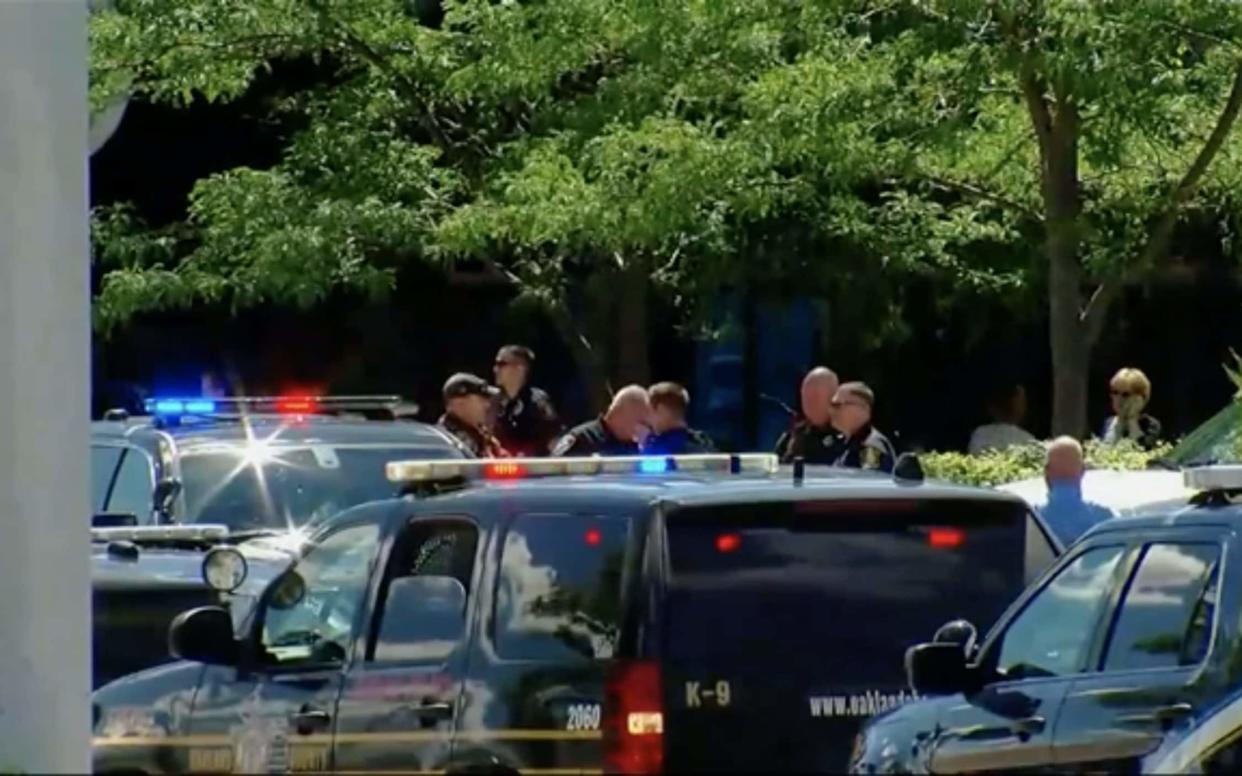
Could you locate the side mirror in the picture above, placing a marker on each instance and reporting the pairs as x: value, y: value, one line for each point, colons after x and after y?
x: 960, y: 632
x: 424, y: 619
x: 287, y: 590
x: 936, y: 669
x: 114, y: 520
x: 165, y: 495
x: 224, y: 569
x: 204, y: 635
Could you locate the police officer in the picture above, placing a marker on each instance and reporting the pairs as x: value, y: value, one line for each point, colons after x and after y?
x: 526, y: 422
x: 467, y: 400
x: 616, y: 432
x: 813, y: 437
x: 861, y: 446
x: 669, y: 433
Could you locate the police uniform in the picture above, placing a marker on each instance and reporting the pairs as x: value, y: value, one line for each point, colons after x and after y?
x: 813, y: 444
x: 593, y: 438
x: 526, y: 424
x: 475, y: 440
x: 676, y: 441
x: 866, y: 449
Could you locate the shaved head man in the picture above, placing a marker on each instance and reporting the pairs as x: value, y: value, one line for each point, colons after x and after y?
x: 616, y: 432
x: 1066, y: 512
x: 813, y: 437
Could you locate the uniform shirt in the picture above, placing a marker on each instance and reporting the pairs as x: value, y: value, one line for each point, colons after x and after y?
x: 592, y: 438
x: 678, y: 440
x: 999, y: 436
x: 1144, y: 431
x: 526, y: 424
x: 1068, y: 515
x: 475, y: 441
x: 812, y: 444
x: 866, y: 449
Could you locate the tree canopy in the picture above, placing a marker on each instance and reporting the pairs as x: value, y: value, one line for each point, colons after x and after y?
x: 1005, y: 147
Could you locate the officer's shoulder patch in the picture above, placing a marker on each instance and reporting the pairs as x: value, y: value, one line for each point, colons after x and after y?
x: 871, y: 457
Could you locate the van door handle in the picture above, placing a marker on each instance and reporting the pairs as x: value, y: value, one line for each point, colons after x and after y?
x: 436, y: 710
x: 1162, y: 714
x: 307, y: 720
x: 1027, y: 726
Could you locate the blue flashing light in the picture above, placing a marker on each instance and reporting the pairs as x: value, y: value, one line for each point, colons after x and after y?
x: 169, y: 407
x: 653, y: 465
x: 200, y: 406
x: 173, y: 407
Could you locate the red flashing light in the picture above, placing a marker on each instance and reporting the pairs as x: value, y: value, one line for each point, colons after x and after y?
x: 593, y: 537
x: 728, y: 542
x: 633, y: 723
x: 946, y: 538
x: 505, y: 471
x: 297, y: 405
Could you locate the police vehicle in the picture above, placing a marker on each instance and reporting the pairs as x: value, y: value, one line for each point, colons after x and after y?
x: 699, y: 612
x: 259, y: 473
x: 1133, y: 633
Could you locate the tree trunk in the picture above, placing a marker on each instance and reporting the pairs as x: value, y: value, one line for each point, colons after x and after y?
x: 633, y: 358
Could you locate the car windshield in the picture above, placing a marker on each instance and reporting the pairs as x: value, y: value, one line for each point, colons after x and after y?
x: 255, y: 487
x: 1215, y: 441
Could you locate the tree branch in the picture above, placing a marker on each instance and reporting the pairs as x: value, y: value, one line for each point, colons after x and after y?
x: 981, y: 193
x: 1096, y: 309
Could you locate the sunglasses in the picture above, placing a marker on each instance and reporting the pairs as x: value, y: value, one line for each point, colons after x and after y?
x: 839, y: 403
x: 502, y: 363
x: 1123, y: 394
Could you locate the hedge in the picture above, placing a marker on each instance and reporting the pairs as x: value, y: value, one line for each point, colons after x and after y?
x: 1019, y: 463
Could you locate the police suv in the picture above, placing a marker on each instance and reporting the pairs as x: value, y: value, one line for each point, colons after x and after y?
x: 1131, y: 636
x: 259, y: 473
x: 702, y: 612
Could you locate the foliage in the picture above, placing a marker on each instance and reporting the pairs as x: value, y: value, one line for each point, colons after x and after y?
x: 817, y: 146
x: 1019, y: 463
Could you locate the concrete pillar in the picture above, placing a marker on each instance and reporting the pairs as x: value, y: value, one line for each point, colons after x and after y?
x: 44, y: 339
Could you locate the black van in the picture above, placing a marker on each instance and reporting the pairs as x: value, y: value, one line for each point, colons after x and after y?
x: 709, y: 613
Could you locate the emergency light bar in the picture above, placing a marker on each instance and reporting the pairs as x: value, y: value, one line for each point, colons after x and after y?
x: 1227, y: 477
x: 203, y: 532
x: 281, y: 405
x: 523, y: 468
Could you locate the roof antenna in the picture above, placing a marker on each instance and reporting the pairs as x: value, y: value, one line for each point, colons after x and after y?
x: 735, y: 464
x: 799, y: 470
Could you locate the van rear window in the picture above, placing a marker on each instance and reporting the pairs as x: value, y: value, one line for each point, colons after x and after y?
x: 849, y: 586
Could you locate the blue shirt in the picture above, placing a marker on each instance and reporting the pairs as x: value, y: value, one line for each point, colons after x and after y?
x: 1068, y: 515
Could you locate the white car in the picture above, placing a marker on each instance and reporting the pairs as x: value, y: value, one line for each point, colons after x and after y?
x: 1211, y: 744
x: 1216, y: 441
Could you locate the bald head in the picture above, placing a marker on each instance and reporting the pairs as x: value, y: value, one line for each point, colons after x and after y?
x: 629, y: 413
x: 818, y: 388
x: 1064, y: 462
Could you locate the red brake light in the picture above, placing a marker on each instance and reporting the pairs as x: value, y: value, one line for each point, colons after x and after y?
x: 728, y: 542
x: 634, y: 719
x: 946, y: 538
x: 593, y: 537
x: 297, y: 405
x: 504, y: 471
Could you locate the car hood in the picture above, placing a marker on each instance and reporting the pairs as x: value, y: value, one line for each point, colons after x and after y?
x: 1125, y: 492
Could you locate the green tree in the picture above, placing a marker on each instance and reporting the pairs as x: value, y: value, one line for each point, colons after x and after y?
x: 596, y: 149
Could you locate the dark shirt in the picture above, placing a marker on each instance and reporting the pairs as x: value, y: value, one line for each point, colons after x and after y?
x: 475, y: 441
x: 1148, y: 431
x: 812, y: 444
x: 593, y: 438
x: 866, y: 449
x: 676, y: 441
x: 526, y: 424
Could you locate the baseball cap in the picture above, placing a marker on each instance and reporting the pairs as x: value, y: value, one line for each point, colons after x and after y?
x: 466, y: 384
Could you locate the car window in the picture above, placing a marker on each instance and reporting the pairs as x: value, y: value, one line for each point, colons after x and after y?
x: 559, y: 595
x: 277, y: 486
x: 1157, y: 624
x: 1040, y: 554
x: 423, y: 628
x: 839, y: 586
x: 1225, y: 757
x: 312, y: 613
x: 1052, y: 634
x: 134, y: 487
x: 103, y: 468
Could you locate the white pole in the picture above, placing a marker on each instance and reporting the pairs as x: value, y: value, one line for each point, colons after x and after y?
x: 44, y: 339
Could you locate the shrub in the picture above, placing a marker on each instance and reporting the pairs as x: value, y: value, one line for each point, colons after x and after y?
x: 1019, y: 463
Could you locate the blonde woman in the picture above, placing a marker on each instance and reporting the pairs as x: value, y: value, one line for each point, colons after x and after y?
x: 1130, y: 391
